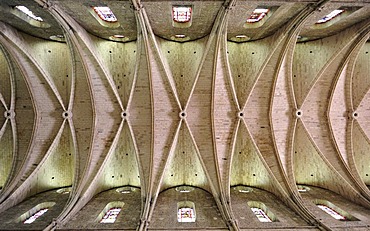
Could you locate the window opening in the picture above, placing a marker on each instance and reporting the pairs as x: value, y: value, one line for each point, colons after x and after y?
x: 181, y: 14
x: 261, y: 211
x: 35, y: 216
x: 59, y: 38
x: 64, y: 190
x: 331, y: 212
x: 186, y: 211
x: 334, y: 211
x: 126, y: 189
x: 186, y: 215
x: 111, y: 215
x: 34, y: 213
x: 243, y: 189
x: 330, y: 16
x: 257, y: 15
x: 28, y: 16
x: 105, y: 13
x: 29, y: 13
x: 261, y: 215
x: 184, y: 189
x: 110, y: 212
x: 302, y: 188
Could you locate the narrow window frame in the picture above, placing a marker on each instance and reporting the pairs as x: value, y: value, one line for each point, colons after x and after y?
x: 107, y: 208
x: 342, y: 213
x: 182, y: 23
x: 188, y: 208
x: 101, y: 20
x: 261, y: 206
x: 33, y: 211
x: 31, y: 18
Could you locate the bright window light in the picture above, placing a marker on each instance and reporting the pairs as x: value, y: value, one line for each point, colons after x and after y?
x: 257, y: 15
x: 63, y: 190
x: 118, y: 36
x: 261, y: 215
x: 243, y: 189
x: 111, y: 215
x: 180, y: 36
x: 330, y: 16
x: 331, y: 212
x: 35, y: 216
x: 105, y: 13
x: 302, y: 188
x: 184, y: 189
x: 125, y: 189
x: 181, y: 14
x: 185, y: 215
x: 29, y: 13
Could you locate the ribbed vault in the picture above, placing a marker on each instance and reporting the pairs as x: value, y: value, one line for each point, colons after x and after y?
x: 153, y: 116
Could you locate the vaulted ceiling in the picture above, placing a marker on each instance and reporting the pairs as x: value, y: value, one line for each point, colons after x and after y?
x: 268, y: 105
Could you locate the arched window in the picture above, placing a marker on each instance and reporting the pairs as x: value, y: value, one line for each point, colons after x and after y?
x: 257, y: 15
x: 28, y: 16
x: 184, y: 189
x: 35, y: 216
x: 110, y: 212
x: 28, y: 12
x: 330, y: 16
x: 111, y: 215
x: 186, y: 211
x: 105, y: 13
x: 262, y: 212
x: 126, y: 189
x: 303, y: 188
x: 64, y: 190
x: 331, y: 212
x: 243, y: 189
x: 334, y: 211
x: 31, y: 215
x: 181, y: 16
x: 105, y: 16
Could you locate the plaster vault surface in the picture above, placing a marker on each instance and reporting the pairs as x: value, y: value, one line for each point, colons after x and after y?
x: 184, y: 115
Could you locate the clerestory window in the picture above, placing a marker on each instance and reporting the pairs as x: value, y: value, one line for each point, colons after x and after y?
x: 181, y: 14
x: 330, y: 16
x: 334, y: 211
x: 261, y: 215
x: 261, y: 211
x: 111, y: 215
x: 110, y: 212
x: 186, y: 211
x: 105, y: 13
x: 35, y: 213
x: 257, y: 15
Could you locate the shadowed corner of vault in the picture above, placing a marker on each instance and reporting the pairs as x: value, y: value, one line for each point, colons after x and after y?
x: 183, y: 60
x: 6, y: 151
x: 247, y: 167
x: 251, y: 180
x: 311, y: 167
x: 121, y: 167
x: 361, y: 147
x: 55, y: 171
x: 10, y: 158
x: 117, y: 181
x: 185, y: 186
